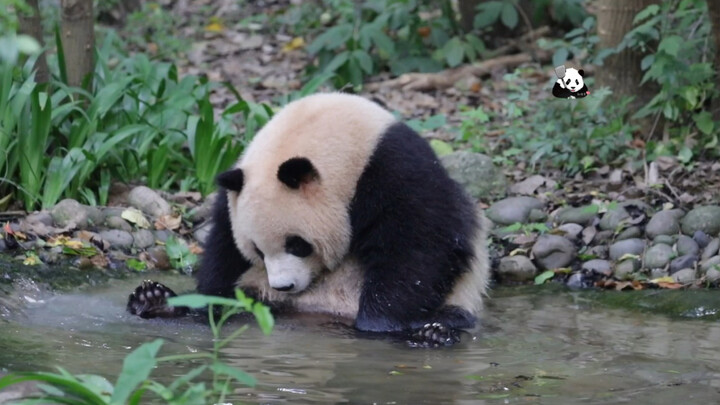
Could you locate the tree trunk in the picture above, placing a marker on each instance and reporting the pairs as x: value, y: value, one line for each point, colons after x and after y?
x: 714, y: 9
x: 468, y: 9
x: 621, y: 72
x: 78, y: 37
x: 30, y: 24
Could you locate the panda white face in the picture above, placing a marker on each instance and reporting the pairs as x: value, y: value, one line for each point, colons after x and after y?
x: 292, y: 266
x: 573, y: 79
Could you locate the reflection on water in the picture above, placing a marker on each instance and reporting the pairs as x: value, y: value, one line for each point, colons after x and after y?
x: 539, y: 348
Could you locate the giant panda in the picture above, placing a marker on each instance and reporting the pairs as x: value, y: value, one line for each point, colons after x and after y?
x: 571, y: 85
x: 336, y: 207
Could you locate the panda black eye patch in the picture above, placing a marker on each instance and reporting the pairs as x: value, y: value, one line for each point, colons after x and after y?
x: 298, y: 246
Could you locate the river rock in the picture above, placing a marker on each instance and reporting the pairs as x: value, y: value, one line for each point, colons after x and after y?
x: 658, y: 256
x: 143, y: 239
x: 603, y: 237
x: 118, y: 223
x: 148, y: 201
x: 40, y: 217
x: 703, y: 218
x: 701, y: 238
x: 687, y: 246
x: 665, y: 222
x: 629, y: 233
x: 571, y: 231
x: 68, y: 212
x: 599, y: 251
x: 117, y: 238
x: 537, y: 215
x: 598, y: 266
x: 201, y: 234
x: 578, y: 280
x: 516, y: 268
x: 633, y: 246
x: 711, y: 263
x: 203, y: 211
x: 577, y: 215
x: 711, y: 249
x: 553, y: 252
x: 624, y: 269
x: 476, y: 173
x: 684, y: 276
x: 162, y: 235
x: 658, y: 273
x: 712, y: 275
x: 682, y: 262
x: 666, y: 239
x: 511, y: 210
x: 612, y: 219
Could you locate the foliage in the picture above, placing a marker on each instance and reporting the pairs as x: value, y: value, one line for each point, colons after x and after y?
x: 133, y: 382
x: 180, y: 255
x: 154, y: 30
x: 508, y: 12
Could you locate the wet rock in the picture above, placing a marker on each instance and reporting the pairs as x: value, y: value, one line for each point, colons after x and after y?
x: 658, y: 256
x: 664, y: 223
x: 148, y: 201
x: 603, y: 237
x: 684, y: 276
x: 537, y: 215
x: 143, y: 239
x: 203, y: 211
x: 117, y: 238
x: 712, y: 275
x: 476, y: 173
x: 666, y: 239
x: 577, y: 281
x: 600, y: 251
x: 118, y: 223
x: 612, y: 219
x: 701, y: 238
x: 711, y: 249
x: 682, y: 262
x: 157, y: 256
x: 516, y: 268
x: 625, y: 269
x: 571, y: 231
x: 577, y: 215
x: 201, y: 233
x: 512, y: 210
x: 629, y: 233
x: 711, y: 263
x: 598, y: 266
x: 628, y: 246
x: 687, y: 246
x: 68, y: 212
x: 703, y: 218
x: 553, y: 252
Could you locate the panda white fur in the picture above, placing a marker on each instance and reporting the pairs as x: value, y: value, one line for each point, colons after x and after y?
x: 336, y: 207
x: 572, y: 85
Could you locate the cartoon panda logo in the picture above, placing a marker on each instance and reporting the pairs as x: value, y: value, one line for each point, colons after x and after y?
x: 570, y: 83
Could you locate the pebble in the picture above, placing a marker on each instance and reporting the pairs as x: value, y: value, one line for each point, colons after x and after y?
x: 658, y: 273
x: 703, y: 218
x: 665, y: 222
x: 148, y: 201
x: 687, y: 246
x: 629, y: 233
x: 201, y: 233
x: 516, y: 268
x: 666, y: 239
x: 577, y: 281
x: 511, y: 210
x: 624, y: 269
x: 599, y: 251
x: 68, y: 212
x: 162, y: 235
x: 684, y: 276
x: 476, y: 173
x: 117, y: 238
x: 711, y: 249
x: 40, y: 217
x: 710, y: 263
x: 611, y: 220
x: 701, y: 238
x: 553, y: 252
x: 204, y: 210
x: 537, y: 215
x: 603, y: 237
x: 571, y: 231
x: 712, y: 275
x: 658, y: 256
x: 598, y: 266
x: 118, y: 223
x: 143, y: 239
x: 577, y: 215
x: 633, y: 246
x: 682, y: 262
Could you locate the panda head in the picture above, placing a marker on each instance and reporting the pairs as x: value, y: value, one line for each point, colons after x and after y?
x: 573, y: 79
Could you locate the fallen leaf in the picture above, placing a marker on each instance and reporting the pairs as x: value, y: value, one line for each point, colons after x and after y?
x: 32, y: 260
x: 195, y: 248
x: 666, y: 279
x: 295, y: 43
x: 670, y: 286
x: 135, y: 216
x: 215, y: 26
x: 100, y: 261
x: 170, y: 222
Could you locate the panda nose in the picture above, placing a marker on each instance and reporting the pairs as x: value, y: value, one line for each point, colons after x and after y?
x: 285, y: 288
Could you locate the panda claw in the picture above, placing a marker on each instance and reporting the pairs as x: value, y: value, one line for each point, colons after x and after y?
x: 149, y: 300
x: 433, y: 335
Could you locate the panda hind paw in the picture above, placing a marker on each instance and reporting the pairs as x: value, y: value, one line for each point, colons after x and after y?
x: 433, y: 335
x: 149, y: 300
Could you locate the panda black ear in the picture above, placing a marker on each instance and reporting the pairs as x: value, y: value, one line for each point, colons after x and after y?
x: 231, y: 180
x: 581, y: 72
x: 297, y: 171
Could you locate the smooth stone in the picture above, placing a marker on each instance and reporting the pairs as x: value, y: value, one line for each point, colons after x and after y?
x: 710, y: 263
x: 537, y: 215
x: 701, y: 238
x: 687, y: 246
x: 512, y: 210
x: 577, y: 215
x: 143, y: 239
x: 625, y: 269
x: 118, y: 223
x: 157, y: 255
x: 204, y: 210
x: 40, y: 217
x: 117, y: 238
x: 658, y: 256
x: 553, y: 252
x: 703, y: 218
x: 665, y: 222
x: 148, y: 201
x: 571, y: 231
x: 516, y: 268
x: 69, y: 211
x: 682, y: 262
x: 633, y: 246
x: 666, y: 239
x: 476, y: 173
x: 711, y: 249
x: 658, y: 273
x: 162, y: 235
x: 629, y: 233
x: 598, y: 266
x: 201, y: 234
x: 599, y: 252
x: 684, y: 276
x: 611, y: 220
x: 576, y: 281
x: 603, y: 237
x: 712, y: 275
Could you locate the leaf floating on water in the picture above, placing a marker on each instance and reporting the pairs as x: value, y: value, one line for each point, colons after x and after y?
x: 136, y: 217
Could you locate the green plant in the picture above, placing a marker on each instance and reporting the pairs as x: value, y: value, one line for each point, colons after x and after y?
x: 134, y: 380
x: 180, y: 255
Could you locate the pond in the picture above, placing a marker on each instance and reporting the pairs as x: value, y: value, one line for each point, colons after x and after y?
x: 536, y: 346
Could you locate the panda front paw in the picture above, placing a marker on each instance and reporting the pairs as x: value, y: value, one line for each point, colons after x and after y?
x: 149, y: 300
x: 433, y: 335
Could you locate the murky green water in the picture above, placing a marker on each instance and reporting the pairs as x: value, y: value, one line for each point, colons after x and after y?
x: 534, y: 348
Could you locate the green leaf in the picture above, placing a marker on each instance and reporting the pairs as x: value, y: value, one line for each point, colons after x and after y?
x: 560, y: 56
x: 27, y: 44
x: 137, y: 367
x: 135, y: 264
x: 336, y: 62
x: 488, y: 13
x: 649, y: 11
x: 685, y: 155
x: 647, y: 61
x: 544, y: 276
x: 671, y: 45
x: 454, y: 52
x: 364, y: 60
x: 201, y: 301
x: 239, y: 375
x: 509, y: 16
x: 704, y: 122
x: 441, y: 148
x: 264, y: 317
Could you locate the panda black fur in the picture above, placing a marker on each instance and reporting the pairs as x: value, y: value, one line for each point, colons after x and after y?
x: 571, y: 85
x: 336, y: 207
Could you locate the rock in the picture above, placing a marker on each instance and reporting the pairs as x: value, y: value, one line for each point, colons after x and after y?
x: 553, y: 252
x: 203, y: 211
x: 537, y: 215
x: 628, y: 246
x: 664, y: 223
x: 143, y: 239
x: 528, y: 186
x: 95, y: 215
x: 516, y: 268
x: 599, y: 252
x: 687, y: 246
x: 615, y: 180
x: 625, y: 269
x: 603, y: 237
x: 117, y: 238
x: 711, y: 248
x: 666, y: 239
x: 701, y: 238
x: 68, y: 212
x: 684, y: 276
x: 577, y: 215
x: 571, y: 231
x: 577, y: 281
x: 658, y: 273
x: 162, y: 235
x: 157, y: 256
x: 658, y: 256
x: 703, y: 218
x: 118, y: 223
x: 611, y: 220
x: 148, y: 201
x: 112, y: 211
x: 40, y: 217
x: 711, y: 263
x: 476, y: 173
x: 712, y: 275
x: 628, y: 233
x: 512, y: 210
x: 598, y: 266
x: 682, y: 262
x: 201, y: 233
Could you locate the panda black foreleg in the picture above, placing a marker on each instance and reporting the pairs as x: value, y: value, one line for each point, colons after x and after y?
x: 149, y: 300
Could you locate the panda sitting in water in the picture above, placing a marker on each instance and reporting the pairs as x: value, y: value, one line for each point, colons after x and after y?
x: 335, y: 207
x: 571, y: 85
